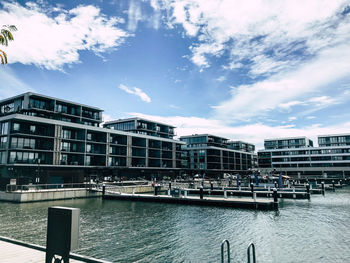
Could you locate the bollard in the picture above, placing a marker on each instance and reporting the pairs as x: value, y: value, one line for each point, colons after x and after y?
x: 252, y: 187
x: 103, y: 190
x: 155, y: 190
x: 211, y: 186
x: 239, y: 185
x: 170, y: 185
x: 322, y: 187
x: 201, y: 193
x: 254, y: 196
x: 333, y: 184
x: 225, y: 194
x: 275, y: 184
x: 294, y: 195
x: 275, y: 197
x: 62, y: 233
x: 308, y: 191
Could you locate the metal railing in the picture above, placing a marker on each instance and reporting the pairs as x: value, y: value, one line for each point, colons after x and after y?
x: 45, y: 187
x: 225, y: 241
x: 251, y: 246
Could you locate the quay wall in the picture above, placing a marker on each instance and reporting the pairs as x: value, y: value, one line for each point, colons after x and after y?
x: 46, y: 195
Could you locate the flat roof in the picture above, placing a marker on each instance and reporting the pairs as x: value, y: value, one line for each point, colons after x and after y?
x: 201, y: 135
x: 334, y: 135
x: 138, y: 119
x: 48, y: 97
x: 287, y: 138
x: 241, y: 142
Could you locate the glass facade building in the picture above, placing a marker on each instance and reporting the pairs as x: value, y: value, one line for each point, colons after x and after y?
x: 330, y: 159
x: 204, y: 153
x: 48, y: 140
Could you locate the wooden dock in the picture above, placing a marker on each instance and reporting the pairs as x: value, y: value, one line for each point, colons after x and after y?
x: 259, y: 193
x: 261, y: 204
x: 14, y: 251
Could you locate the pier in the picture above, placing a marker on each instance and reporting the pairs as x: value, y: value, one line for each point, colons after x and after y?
x: 261, y: 204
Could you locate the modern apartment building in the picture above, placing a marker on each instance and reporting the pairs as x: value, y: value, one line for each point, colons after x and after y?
x: 142, y: 126
x: 283, y: 143
x: 241, y: 146
x: 49, y: 140
x: 330, y: 159
x: 205, y: 153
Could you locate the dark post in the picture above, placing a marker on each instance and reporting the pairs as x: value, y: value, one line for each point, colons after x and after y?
x: 275, y: 197
x: 308, y: 191
x: 333, y: 184
x: 170, y: 185
x: 201, y: 192
x: 155, y: 190
x: 252, y: 187
x: 322, y: 187
x: 62, y: 233
x: 211, y: 186
x: 275, y: 184
x: 103, y: 190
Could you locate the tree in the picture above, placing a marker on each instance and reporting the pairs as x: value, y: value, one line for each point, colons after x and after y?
x: 5, y: 37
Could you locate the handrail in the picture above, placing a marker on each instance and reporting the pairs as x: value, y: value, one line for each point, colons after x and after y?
x: 248, y: 252
x: 228, y: 251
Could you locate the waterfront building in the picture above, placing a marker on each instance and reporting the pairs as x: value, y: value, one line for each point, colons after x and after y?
x: 241, y: 146
x: 283, y: 143
x: 49, y: 140
x: 142, y: 126
x: 330, y: 159
x: 205, y: 153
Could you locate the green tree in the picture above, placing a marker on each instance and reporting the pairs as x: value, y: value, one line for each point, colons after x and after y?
x: 5, y: 37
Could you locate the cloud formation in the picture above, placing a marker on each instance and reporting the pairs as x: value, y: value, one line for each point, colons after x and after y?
x: 52, y: 37
x: 136, y: 91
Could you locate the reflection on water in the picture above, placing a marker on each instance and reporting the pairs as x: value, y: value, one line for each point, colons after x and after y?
x: 123, y: 231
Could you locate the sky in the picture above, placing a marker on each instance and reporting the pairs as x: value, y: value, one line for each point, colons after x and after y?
x: 243, y: 70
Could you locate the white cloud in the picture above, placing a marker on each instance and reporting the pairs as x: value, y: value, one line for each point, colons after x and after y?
x: 265, y: 32
x: 53, y: 37
x: 253, y: 133
x: 221, y: 78
x: 134, y: 15
x: 135, y: 91
x: 292, y: 118
x: 284, y: 89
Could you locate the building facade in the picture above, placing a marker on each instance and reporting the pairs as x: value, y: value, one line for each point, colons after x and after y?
x: 48, y: 140
x: 330, y: 159
x: 142, y: 126
x: 205, y: 153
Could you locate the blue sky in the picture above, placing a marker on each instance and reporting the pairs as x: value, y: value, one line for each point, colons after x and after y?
x: 244, y: 70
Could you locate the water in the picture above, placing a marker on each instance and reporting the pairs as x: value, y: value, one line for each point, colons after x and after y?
x: 121, y: 231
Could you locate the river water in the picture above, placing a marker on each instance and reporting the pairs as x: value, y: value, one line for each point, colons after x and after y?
x: 122, y: 231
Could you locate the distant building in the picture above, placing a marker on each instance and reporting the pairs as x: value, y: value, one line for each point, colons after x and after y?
x: 330, y: 159
x: 283, y: 143
x: 205, y: 153
x: 241, y: 146
x: 142, y: 126
x: 49, y: 140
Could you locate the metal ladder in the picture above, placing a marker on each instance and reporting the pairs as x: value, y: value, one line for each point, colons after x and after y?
x: 250, y: 252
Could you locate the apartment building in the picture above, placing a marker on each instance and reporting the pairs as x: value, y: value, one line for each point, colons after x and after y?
x: 330, y: 159
x: 49, y: 140
x: 205, y: 153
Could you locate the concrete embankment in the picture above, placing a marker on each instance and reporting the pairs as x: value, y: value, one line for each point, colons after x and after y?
x: 47, y: 195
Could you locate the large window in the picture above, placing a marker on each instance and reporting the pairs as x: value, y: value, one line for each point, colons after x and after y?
x: 4, y: 128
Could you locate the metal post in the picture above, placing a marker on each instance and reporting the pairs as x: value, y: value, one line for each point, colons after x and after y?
x: 225, y: 194
x: 103, y: 189
x: 62, y: 233
x: 253, y: 251
x: 308, y: 191
x: 294, y: 195
x: 169, y: 185
x: 323, y: 188
x: 211, y: 186
x: 333, y: 184
x: 201, y: 192
x: 275, y: 197
x: 252, y: 188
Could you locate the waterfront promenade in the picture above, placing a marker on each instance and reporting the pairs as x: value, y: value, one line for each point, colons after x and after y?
x: 14, y: 251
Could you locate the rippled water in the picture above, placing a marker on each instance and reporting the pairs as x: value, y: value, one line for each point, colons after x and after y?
x: 121, y: 231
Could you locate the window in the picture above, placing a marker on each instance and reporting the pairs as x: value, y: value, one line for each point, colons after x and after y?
x: 3, y: 142
x: 16, y: 126
x: 32, y: 128
x: 4, y: 128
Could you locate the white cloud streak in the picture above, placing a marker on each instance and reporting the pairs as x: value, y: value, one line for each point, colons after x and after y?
x: 136, y: 91
x: 53, y: 37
